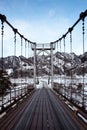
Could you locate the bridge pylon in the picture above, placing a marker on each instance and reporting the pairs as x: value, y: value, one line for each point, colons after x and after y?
x: 43, y: 48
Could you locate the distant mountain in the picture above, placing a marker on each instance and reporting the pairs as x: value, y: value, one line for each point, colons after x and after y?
x: 18, y: 65
x: 15, y: 62
x: 63, y: 63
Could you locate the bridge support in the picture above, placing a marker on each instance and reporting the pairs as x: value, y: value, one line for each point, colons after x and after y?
x: 43, y: 48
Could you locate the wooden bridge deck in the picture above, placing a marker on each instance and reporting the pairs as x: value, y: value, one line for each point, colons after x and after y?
x: 43, y: 111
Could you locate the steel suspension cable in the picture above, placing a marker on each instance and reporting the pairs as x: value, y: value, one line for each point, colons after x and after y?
x: 21, y: 62
x: 71, y: 65
x: 2, y: 69
x: 28, y: 61
x: 83, y: 34
x: 29, y: 47
x: 60, y: 62
x: 57, y: 45
x: 64, y: 67
x: 15, y: 31
x: 28, y: 50
x: 25, y: 69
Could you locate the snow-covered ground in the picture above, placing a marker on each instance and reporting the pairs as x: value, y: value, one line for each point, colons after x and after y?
x: 43, y: 81
x: 17, y: 90
x: 77, y: 95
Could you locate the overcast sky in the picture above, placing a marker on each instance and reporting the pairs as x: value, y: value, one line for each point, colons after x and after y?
x: 41, y: 21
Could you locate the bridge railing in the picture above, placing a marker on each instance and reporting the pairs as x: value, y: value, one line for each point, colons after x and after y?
x: 73, y: 45
x: 15, y: 65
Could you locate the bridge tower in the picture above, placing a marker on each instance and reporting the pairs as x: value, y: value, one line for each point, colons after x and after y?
x: 43, y: 48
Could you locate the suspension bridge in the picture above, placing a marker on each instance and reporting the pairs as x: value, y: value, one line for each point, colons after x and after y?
x: 32, y: 100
